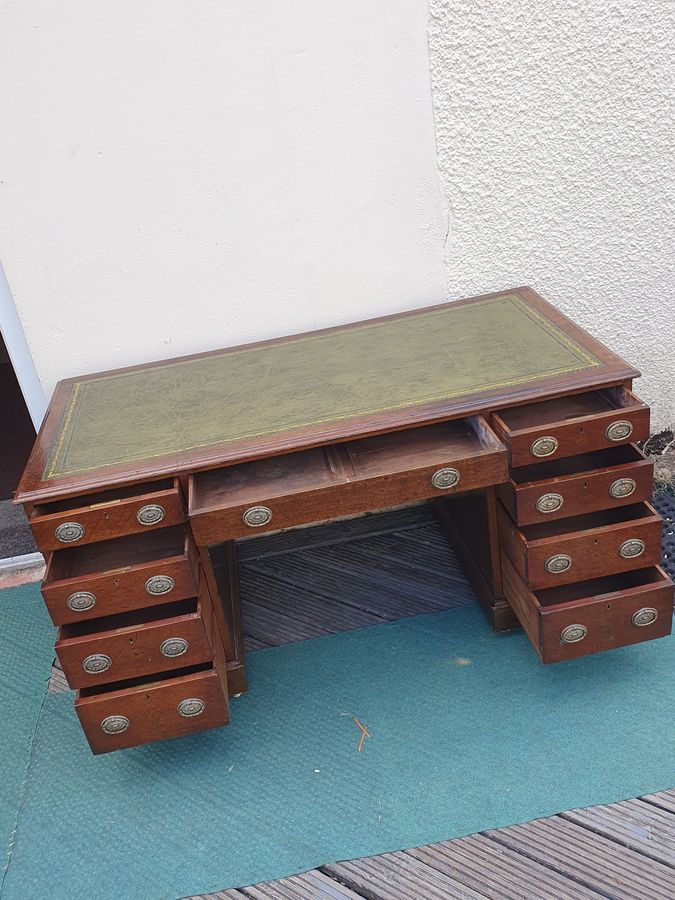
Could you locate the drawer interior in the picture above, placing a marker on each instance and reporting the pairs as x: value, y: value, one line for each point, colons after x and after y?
x: 103, y: 497
x: 119, y: 553
x: 600, y: 519
x: 547, y: 412
x: 577, y: 465
x: 145, y: 681
x: 132, y: 619
x: 320, y: 467
x: 597, y: 587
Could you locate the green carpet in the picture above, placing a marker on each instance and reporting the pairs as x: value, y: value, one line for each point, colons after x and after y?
x: 26, y: 654
x: 468, y: 732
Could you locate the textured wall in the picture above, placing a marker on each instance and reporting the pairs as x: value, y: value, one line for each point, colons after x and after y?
x: 556, y: 146
x: 177, y: 176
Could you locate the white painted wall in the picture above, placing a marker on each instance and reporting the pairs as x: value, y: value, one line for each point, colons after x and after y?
x: 178, y: 176
x: 556, y: 140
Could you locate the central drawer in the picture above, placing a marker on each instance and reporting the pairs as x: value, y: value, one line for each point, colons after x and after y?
x: 344, y: 479
x: 581, y: 547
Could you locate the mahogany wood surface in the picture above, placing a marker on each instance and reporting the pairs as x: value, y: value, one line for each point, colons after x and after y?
x: 591, y: 541
x: 578, y: 423
x: 324, y: 483
x: 582, y: 482
x: 116, y: 573
x: 151, y: 705
x: 605, y: 606
x: 610, y: 370
x: 108, y: 518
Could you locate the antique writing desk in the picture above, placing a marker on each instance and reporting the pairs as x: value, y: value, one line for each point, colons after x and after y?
x: 515, y: 421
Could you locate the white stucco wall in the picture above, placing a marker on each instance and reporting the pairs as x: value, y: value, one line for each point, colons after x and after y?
x: 556, y: 146
x: 181, y: 176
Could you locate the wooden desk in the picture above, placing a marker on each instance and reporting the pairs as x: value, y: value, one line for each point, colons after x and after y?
x: 514, y: 421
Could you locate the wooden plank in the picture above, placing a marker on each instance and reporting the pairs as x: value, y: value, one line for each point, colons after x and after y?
x: 590, y: 859
x: 57, y: 680
x: 484, y: 865
x: 398, y: 876
x: 664, y: 799
x: 315, y: 885
x: 633, y: 823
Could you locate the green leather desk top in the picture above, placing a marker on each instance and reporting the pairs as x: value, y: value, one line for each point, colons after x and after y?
x: 249, y: 396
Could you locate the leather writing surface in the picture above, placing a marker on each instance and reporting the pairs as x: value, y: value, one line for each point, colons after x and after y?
x: 177, y: 406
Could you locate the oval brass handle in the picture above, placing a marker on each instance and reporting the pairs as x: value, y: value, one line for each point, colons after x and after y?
x: 549, y: 503
x: 68, y: 532
x: 631, y: 548
x: 445, y: 478
x: 561, y: 562
x: 622, y: 487
x: 160, y: 584
x: 572, y: 634
x: 645, y: 616
x: 256, y: 516
x: 115, y: 724
x: 81, y: 601
x: 193, y: 706
x: 544, y: 446
x: 619, y: 430
x: 96, y: 664
x: 173, y: 647
x: 150, y: 514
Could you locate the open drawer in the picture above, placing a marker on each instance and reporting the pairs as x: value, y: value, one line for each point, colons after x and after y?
x: 116, y: 576
x: 344, y: 479
x: 155, y: 707
x: 138, y: 643
x: 574, y: 485
x: 571, y: 425
x: 108, y: 514
x: 590, y: 616
x: 600, y: 543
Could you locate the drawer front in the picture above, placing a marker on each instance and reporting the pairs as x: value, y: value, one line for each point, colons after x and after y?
x: 574, y: 495
x: 626, y: 423
x: 92, y: 521
x: 583, y: 554
x: 159, y: 645
x: 108, y: 593
x: 155, y: 710
x: 341, y: 480
x: 594, y: 623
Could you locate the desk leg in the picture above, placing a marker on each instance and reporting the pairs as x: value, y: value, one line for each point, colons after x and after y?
x: 470, y: 522
x: 220, y: 567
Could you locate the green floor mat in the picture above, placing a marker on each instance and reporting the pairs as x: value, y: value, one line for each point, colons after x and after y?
x: 467, y: 732
x: 26, y: 654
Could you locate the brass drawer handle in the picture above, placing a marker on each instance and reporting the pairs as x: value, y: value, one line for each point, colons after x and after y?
x: 81, y: 600
x: 173, y: 647
x: 619, y: 431
x: 96, y: 663
x: 572, y: 634
x: 645, y: 616
x: 68, y: 532
x: 544, y: 446
x: 549, y: 503
x: 115, y: 724
x: 632, y: 548
x: 159, y: 584
x: 622, y: 487
x: 150, y: 514
x: 561, y: 562
x: 257, y: 516
x: 193, y: 706
x: 445, y: 478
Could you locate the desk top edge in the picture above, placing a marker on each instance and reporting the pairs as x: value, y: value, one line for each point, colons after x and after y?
x: 34, y: 487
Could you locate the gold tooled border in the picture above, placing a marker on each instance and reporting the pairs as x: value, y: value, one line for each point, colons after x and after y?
x: 80, y: 387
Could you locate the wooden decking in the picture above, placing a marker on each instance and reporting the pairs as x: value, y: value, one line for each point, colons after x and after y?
x: 352, y: 574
